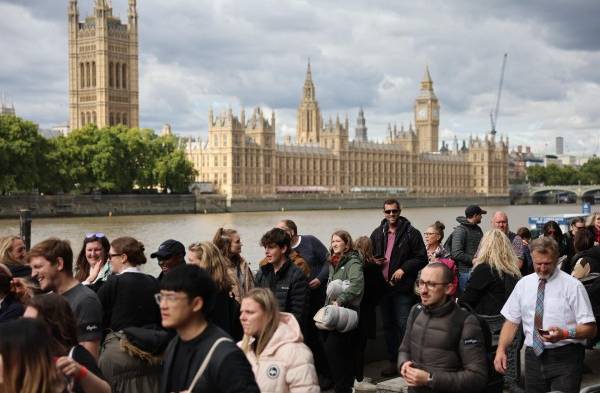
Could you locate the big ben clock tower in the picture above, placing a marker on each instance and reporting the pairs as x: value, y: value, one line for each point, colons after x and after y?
x: 427, y: 116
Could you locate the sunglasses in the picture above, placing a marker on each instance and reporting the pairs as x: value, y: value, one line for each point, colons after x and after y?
x: 391, y: 211
x: 94, y: 234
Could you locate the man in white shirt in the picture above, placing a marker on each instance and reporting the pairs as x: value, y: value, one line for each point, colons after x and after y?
x: 557, y: 318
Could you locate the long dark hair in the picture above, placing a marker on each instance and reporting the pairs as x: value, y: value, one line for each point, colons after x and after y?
x: 82, y: 267
x: 55, y: 312
x: 27, y: 361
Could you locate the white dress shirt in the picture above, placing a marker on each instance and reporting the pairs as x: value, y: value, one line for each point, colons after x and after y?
x: 566, y: 304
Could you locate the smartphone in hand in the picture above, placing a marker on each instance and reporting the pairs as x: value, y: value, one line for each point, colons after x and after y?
x: 543, y: 332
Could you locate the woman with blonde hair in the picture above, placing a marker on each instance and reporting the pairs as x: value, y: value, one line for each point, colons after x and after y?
x: 274, y: 346
x: 12, y: 254
x: 226, y: 315
x: 495, y: 273
x: 229, y: 243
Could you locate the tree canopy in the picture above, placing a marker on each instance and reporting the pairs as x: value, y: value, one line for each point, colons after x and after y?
x: 112, y: 159
x: 554, y: 175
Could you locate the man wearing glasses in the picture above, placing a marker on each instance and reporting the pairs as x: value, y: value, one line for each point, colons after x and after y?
x: 186, y: 300
x: 443, y: 349
x: 399, y: 249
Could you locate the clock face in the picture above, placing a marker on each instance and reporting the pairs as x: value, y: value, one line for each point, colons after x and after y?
x: 422, y: 113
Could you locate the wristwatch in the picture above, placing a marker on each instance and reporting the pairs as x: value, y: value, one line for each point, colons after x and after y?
x: 430, y: 381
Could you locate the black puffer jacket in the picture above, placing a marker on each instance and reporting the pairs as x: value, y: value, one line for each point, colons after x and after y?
x: 436, y: 342
x: 409, y: 252
x: 465, y: 241
x: 290, y: 287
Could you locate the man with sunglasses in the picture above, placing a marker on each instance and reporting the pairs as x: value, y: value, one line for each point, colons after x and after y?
x: 443, y: 349
x: 399, y: 249
x: 170, y: 254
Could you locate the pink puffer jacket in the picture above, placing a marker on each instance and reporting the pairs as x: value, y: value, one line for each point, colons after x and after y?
x: 286, y: 364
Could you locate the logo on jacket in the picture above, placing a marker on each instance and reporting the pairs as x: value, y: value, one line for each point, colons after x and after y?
x: 273, y: 372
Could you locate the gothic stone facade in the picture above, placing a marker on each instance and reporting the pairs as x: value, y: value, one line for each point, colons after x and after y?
x: 103, y: 67
x: 242, y: 157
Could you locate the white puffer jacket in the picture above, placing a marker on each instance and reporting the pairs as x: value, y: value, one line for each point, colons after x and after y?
x: 286, y: 364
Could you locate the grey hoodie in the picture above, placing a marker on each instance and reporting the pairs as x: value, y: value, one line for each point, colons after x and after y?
x: 465, y: 241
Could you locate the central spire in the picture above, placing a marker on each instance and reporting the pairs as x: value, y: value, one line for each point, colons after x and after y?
x: 427, y: 83
x: 309, y: 87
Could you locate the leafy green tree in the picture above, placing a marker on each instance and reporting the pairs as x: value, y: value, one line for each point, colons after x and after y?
x: 173, y: 170
x: 22, y: 155
x: 590, y: 172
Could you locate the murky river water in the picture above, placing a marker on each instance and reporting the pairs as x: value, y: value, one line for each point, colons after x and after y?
x: 152, y: 230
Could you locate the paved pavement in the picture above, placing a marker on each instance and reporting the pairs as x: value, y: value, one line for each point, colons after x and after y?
x: 592, y: 377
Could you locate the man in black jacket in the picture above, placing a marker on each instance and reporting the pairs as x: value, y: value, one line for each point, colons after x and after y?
x: 464, y: 242
x: 286, y: 280
x: 187, y: 296
x: 398, y: 247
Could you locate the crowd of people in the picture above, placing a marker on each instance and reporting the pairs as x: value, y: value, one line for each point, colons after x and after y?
x: 301, y: 321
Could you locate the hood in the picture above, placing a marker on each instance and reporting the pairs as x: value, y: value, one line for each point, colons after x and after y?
x: 463, y: 221
x: 287, y: 332
x: 593, y: 253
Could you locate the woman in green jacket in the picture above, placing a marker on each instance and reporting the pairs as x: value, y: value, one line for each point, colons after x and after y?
x: 340, y: 347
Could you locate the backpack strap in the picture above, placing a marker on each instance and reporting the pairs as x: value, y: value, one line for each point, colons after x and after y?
x: 205, y: 362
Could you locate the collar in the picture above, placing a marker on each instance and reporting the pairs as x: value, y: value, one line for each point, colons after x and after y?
x: 441, y: 310
x: 299, y: 240
x: 133, y: 269
x: 553, y: 276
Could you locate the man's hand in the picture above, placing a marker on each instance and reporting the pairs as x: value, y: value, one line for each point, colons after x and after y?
x: 314, y: 283
x: 397, y: 275
x: 554, y: 334
x: 500, y: 361
x: 414, y: 376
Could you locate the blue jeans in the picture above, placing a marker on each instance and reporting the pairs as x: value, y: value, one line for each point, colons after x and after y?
x: 395, y: 308
x: 463, y: 277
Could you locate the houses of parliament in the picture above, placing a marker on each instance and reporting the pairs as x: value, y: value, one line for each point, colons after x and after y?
x: 242, y: 156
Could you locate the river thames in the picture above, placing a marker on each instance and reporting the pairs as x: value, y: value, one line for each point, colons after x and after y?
x: 189, y: 228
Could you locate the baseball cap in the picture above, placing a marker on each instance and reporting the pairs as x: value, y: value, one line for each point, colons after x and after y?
x: 169, y: 248
x: 471, y: 210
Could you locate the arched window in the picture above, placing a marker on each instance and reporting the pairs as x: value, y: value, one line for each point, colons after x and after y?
x: 88, y: 81
x: 110, y: 74
x: 111, y: 119
x: 89, y: 118
x: 125, y: 119
x: 117, y: 118
x: 124, y: 76
x: 93, y: 73
x: 94, y: 117
x: 82, y: 74
x: 82, y: 116
x: 117, y: 75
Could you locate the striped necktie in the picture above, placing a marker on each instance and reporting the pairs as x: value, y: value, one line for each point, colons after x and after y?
x: 538, y: 320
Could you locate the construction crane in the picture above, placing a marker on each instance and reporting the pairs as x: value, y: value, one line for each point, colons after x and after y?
x: 494, y: 113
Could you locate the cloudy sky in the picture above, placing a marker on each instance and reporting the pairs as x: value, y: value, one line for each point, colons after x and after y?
x: 194, y: 54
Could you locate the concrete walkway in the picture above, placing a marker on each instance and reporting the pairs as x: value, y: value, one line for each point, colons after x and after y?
x: 389, y: 385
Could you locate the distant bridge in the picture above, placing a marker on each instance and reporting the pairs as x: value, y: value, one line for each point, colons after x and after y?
x: 580, y: 191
